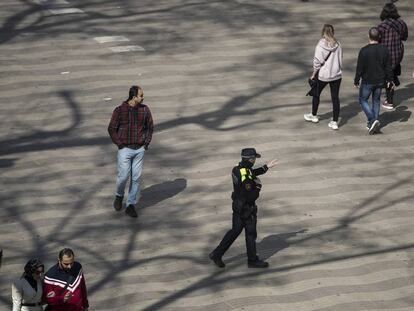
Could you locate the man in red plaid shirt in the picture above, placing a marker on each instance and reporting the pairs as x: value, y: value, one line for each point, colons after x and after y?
x: 393, y: 31
x: 131, y: 129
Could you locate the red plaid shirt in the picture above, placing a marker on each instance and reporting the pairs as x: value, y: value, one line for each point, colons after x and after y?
x: 131, y: 126
x: 393, y: 32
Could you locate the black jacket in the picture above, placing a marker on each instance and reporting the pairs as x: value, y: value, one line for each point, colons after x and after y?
x: 247, y: 191
x: 374, y: 65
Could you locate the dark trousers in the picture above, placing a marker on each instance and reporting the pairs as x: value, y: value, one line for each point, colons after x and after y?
x: 240, y: 223
x: 334, y: 85
x: 389, y: 92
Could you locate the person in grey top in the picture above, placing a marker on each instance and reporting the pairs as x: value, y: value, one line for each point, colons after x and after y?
x: 27, y: 290
x: 327, y: 69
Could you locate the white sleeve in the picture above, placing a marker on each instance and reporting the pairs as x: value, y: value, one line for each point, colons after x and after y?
x: 17, y: 296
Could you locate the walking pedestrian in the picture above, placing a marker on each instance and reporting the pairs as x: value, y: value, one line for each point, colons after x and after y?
x: 327, y: 69
x: 27, y: 290
x: 64, y: 287
x: 393, y: 31
x: 374, y: 71
x: 246, y: 188
x: 131, y: 129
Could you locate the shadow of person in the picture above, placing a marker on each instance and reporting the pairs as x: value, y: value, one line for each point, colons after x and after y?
x: 274, y: 243
x: 269, y: 246
x: 156, y: 193
x: 8, y: 162
x: 347, y: 113
x: 401, y: 95
x: 400, y: 114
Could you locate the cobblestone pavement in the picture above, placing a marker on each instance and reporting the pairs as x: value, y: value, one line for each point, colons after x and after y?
x: 335, y: 216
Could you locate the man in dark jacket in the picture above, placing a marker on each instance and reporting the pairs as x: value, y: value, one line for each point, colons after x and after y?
x: 64, y: 287
x: 374, y: 71
x: 131, y: 129
x: 246, y: 189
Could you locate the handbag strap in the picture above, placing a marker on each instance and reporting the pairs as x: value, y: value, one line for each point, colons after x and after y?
x: 330, y: 52
x: 317, y: 72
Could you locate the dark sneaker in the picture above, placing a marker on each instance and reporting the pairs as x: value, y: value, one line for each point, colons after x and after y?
x: 217, y: 261
x: 118, y: 203
x: 374, y: 127
x: 130, y: 211
x: 257, y: 264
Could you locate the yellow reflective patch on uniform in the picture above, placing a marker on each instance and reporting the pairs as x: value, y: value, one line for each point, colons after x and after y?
x: 244, y: 173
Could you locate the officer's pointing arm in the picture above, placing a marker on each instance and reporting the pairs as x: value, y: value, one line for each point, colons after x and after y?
x: 272, y: 163
x: 261, y: 170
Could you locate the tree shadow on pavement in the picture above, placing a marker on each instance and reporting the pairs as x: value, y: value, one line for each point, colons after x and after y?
x: 41, y: 140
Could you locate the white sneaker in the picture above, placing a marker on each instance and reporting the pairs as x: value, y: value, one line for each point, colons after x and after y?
x: 311, y: 118
x: 387, y: 106
x: 333, y: 125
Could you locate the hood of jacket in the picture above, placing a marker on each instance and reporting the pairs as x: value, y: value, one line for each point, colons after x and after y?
x: 324, y: 44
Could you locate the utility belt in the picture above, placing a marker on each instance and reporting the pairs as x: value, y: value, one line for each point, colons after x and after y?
x: 245, y: 210
x: 31, y: 304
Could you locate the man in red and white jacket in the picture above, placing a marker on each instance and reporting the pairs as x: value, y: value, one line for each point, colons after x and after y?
x: 64, y: 287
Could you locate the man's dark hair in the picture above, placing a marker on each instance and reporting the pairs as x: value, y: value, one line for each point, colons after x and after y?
x: 374, y: 34
x: 133, y: 91
x: 389, y: 11
x: 66, y: 252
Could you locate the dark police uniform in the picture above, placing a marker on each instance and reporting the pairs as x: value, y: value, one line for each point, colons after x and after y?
x: 246, y: 189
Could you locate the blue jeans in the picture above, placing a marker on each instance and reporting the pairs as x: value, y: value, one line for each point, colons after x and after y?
x: 365, y: 91
x: 130, y: 163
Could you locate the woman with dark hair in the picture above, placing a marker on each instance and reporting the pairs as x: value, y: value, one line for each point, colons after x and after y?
x: 27, y: 290
x: 327, y: 69
x: 393, y: 31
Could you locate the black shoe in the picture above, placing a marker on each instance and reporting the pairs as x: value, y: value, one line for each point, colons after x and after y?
x: 118, y: 203
x: 130, y: 211
x: 257, y: 264
x: 374, y: 127
x: 217, y: 261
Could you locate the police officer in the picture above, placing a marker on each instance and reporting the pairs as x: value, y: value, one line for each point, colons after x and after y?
x: 246, y: 189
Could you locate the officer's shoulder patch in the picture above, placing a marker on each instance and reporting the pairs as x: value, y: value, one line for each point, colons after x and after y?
x: 248, y: 186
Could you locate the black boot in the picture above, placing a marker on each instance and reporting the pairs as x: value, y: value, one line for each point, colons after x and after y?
x: 217, y: 261
x: 118, y: 203
x: 130, y: 211
x: 257, y: 264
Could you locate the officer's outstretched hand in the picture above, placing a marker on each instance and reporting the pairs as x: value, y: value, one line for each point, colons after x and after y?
x: 272, y: 163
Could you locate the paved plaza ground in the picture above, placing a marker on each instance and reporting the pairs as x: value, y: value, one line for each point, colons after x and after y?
x: 335, y: 216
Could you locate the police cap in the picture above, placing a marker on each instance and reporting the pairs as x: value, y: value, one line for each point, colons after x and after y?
x: 249, y: 153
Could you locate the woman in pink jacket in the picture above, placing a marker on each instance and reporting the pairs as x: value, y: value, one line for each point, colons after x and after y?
x: 327, y: 69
